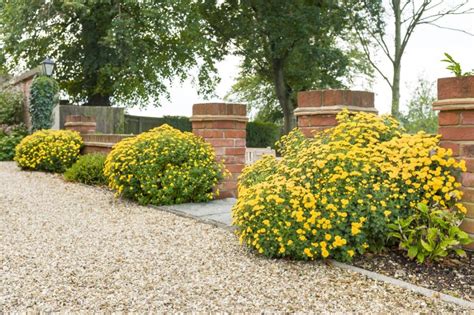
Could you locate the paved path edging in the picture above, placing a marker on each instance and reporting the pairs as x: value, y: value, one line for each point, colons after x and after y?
x: 406, y: 285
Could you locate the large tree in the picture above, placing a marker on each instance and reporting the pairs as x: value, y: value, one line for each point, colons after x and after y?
x: 292, y: 45
x: 109, y: 50
x: 404, y: 16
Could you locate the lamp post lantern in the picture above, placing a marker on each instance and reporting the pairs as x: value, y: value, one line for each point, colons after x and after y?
x: 48, y: 66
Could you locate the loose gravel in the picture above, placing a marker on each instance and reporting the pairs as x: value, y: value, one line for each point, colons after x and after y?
x: 66, y: 247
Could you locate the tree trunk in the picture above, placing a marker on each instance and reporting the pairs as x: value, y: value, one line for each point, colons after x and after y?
x: 283, y: 95
x: 396, y: 90
x: 98, y: 100
x: 397, y: 59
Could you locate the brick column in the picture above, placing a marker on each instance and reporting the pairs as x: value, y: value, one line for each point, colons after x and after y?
x: 456, y: 126
x: 317, y: 110
x: 223, y: 126
x: 81, y: 124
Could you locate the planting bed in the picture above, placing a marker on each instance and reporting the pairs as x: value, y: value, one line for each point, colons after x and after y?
x: 453, y: 276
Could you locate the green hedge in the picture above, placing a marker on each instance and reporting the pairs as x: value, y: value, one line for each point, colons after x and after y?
x: 262, y: 134
x: 179, y: 122
x: 259, y: 134
x: 139, y: 124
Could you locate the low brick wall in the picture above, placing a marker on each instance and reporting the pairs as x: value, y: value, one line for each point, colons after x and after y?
x: 97, y: 143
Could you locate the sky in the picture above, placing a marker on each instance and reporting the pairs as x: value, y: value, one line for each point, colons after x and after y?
x: 422, y: 59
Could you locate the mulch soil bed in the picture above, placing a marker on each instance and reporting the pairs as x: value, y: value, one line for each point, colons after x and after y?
x: 453, y: 276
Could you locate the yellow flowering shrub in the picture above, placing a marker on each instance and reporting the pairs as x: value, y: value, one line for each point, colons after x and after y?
x: 335, y: 194
x: 258, y: 172
x: 163, y: 166
x: 49, y: 150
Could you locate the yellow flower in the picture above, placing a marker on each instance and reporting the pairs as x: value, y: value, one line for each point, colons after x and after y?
x: 308, y: 253
x: 324, y: 253
x: 355, y: 228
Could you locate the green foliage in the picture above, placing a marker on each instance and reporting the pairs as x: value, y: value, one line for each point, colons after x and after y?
x: 262, y: 134
x: 430, y: 233
x: 163, y: 166
x: 11, y: 107
x: 9, y: 138
x: 44, y: 97
x: 420, y: 115
x: 455, y: 67
x: 88, y: 169
x: 123, y: 51
x: 259, y: 96
x: 48, y: 150
x: 334, y: 195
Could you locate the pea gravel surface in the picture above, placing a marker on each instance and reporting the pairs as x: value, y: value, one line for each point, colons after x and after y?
x: 66, y: 247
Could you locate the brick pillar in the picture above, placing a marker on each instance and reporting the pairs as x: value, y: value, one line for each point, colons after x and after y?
x: 317, y: 110
x: 456, y: 126
x: 223, y: 126
x: 82, y: 124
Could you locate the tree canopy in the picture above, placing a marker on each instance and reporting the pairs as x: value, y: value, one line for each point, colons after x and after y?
x: 292, y: 45
x: 110, y: 51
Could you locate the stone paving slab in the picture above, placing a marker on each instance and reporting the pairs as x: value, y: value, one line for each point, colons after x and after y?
x: 216, y: 210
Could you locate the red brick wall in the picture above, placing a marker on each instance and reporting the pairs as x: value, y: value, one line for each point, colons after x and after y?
x: 317, y: 110
x: 456, y: 126
x: 223, y: 126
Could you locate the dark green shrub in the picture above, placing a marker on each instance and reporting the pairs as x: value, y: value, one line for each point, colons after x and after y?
x: 10, y: 136
x: 88, y: 169
x: 44, y: 96
x: 11, y: 107
x: 262, y: 134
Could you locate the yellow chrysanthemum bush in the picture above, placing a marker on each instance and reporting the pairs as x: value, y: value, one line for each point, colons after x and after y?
x: 335, y: 195
x: 163, y: 166
x: 49, y: 150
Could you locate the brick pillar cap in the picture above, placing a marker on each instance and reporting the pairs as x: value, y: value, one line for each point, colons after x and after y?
x: 323, y: 98
x: 305, y: 111
x: 456, y: 87
x: 79, y: 118
x: 219, y: 111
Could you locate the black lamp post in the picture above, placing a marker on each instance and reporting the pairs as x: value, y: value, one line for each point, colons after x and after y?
x: 48, y: 66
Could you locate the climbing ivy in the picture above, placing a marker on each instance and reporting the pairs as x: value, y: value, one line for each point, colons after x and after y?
x: 43, y: 98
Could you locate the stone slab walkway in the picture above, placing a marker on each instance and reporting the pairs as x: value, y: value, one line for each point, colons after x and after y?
x: 216, y: 211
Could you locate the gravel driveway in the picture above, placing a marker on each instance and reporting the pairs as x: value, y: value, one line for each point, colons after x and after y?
x: 68, y: 247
